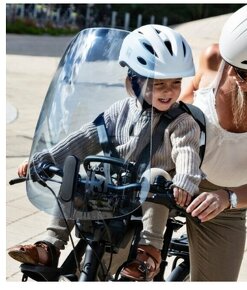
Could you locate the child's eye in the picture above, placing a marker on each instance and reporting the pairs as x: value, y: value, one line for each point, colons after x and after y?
x: 158, y: 85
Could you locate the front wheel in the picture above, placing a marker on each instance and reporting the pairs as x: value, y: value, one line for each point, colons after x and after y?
x: 180, y: 273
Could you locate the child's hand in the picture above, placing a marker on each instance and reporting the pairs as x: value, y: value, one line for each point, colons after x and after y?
x: 182, y: 197
x: 22, y: 169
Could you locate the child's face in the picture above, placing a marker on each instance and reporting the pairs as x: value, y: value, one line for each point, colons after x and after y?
x: 162, y: 94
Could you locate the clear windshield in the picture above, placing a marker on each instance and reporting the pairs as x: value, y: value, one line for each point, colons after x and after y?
x: 87, y: 82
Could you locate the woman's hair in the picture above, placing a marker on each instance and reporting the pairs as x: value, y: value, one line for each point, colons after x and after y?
x: 239, y: 106
x: 238, y: 97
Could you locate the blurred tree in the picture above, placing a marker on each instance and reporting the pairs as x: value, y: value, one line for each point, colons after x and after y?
x: 88, y: 15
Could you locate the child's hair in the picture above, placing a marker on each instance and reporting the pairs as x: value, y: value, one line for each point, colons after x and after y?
x: 133, y: 85
x: 129, y: 87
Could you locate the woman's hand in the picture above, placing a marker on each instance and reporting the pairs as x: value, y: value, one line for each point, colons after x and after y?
x: 22, y: 169
x: 208, y: 205
x: 182, y: 197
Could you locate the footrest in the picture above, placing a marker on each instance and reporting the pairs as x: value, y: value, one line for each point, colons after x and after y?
x: 40, y: 273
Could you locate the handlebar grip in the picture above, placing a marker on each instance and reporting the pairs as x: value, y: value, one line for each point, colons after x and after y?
x: 49, y: 169
x: 17, y: 180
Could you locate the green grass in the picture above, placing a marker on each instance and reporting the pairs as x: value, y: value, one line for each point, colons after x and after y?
x: 29, y: 27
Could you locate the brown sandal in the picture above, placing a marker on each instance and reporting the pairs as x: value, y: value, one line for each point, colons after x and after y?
x: 146, y: 265
x: 42, y: 253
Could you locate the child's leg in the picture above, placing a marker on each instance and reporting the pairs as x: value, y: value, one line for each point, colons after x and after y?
x: 154, y: 222
x: 57, y: 232
x: 148, y: 258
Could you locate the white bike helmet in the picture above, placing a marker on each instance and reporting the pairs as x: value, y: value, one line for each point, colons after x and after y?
x: 158, y: 52
x: 233, y: 39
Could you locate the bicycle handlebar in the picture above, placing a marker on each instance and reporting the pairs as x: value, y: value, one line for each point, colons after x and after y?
x: 161, y: 189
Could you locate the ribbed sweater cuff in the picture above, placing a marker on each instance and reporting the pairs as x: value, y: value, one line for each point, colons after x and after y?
x: 187, y: 183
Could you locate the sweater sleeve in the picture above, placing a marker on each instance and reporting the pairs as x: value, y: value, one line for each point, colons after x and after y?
x: 82, y: 142
x: 79, y: 143
x: 185, y: 153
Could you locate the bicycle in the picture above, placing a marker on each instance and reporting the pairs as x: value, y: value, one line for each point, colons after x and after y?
x: 86, y: 262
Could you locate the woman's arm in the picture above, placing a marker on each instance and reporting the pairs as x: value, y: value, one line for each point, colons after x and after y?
x: 241, y: 193
x: 209, y: 204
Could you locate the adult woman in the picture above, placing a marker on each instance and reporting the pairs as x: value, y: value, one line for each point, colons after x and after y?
x: 221, y: 93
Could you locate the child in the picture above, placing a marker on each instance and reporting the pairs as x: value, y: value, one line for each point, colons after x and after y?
x: 157, y: 58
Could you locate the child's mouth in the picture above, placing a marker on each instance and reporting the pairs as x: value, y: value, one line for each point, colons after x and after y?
x: 164, y: 100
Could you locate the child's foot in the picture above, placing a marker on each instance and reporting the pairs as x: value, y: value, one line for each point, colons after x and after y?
x: 39, y: 253
x: 146, y: 266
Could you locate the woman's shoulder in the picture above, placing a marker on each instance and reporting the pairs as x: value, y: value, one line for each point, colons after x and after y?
x: 209, y: 62
x: 210, y: 58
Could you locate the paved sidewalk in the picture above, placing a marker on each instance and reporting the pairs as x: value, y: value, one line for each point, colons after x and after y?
x: 29, y: 72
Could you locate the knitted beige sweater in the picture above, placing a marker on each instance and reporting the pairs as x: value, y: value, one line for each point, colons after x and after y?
x: 129, y: 128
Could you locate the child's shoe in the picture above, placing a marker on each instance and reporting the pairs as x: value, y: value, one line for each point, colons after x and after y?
x: 146, y: 265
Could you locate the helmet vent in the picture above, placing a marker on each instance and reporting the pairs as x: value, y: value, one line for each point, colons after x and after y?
x: 149, y: 48
x: 184, y: 48
x: 141, y: 60
x: 169, y: 46
x: 244, y: 62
